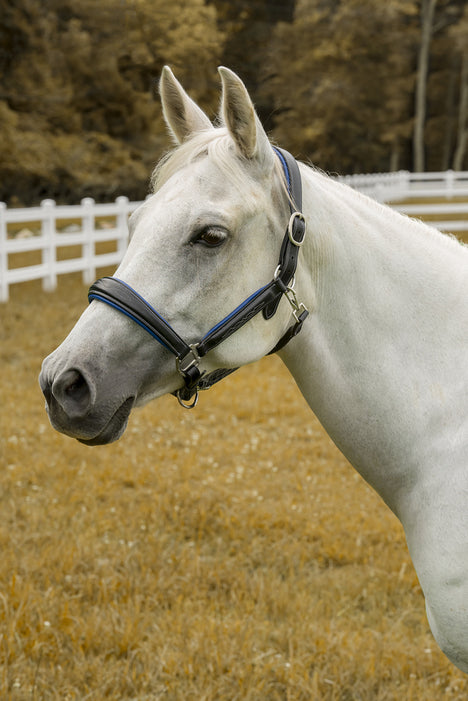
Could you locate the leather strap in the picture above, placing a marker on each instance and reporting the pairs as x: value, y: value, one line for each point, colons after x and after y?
x: 116, y: 293
x: 296, y: 228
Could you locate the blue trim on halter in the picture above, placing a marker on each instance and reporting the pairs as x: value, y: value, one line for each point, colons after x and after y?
x: 93, y: 295
x: 234, y: 312
x: 143, y: 300
x: 130, y: 316
x: 285, y: 168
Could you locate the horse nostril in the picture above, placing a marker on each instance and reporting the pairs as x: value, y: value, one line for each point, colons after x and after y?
x: 77, y: 386
x: 72, y: 392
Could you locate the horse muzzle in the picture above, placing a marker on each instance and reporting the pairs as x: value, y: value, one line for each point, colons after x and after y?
x: 71, y: 406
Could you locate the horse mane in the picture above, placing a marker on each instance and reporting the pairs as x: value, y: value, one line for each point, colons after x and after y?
x: 219, y: 147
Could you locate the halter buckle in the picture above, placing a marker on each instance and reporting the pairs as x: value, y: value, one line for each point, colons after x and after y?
x: 190, y: 360
x: 300, y: 217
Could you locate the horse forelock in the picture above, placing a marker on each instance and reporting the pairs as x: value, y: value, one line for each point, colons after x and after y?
x: 218, y: 146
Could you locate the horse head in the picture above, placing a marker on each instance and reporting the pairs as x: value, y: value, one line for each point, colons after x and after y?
x: 203, y: 242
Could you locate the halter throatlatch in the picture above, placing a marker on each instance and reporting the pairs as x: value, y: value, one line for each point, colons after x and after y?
x: 126, y: 300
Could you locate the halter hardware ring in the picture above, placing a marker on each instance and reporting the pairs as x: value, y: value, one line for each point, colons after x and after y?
x: 298, y: 307
x: 292, y: 219
x: 184, y: 404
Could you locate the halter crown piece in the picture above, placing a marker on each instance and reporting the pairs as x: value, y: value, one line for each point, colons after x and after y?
x: 125, y: 299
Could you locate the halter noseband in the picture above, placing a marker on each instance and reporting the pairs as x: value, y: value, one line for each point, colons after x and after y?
x: 125, y: 299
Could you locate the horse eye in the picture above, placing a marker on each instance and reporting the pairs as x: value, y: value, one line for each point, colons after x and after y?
x: 211, y: 237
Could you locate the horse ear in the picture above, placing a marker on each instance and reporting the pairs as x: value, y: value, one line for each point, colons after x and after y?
x: 241, y: 119
x: 183, y: 117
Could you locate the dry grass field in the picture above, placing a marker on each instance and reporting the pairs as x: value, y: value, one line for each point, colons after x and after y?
x: 224, y: 554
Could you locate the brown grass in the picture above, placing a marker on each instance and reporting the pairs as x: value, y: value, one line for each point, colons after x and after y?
x: 228, y: 553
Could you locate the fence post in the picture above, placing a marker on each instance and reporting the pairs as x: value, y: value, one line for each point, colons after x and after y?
x: 87, y: 225
x: 449, y: 180
x: 3, y: 254
x: 122, y: 224
x: 404, y: 181
x: 378, y: 192
x: 49, y: 252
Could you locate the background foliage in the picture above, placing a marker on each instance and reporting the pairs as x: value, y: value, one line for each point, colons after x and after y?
x: 335, y: 81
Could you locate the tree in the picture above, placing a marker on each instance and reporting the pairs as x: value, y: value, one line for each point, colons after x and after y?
x: 460, y: 35
x: 439, y: 58
x: 355, y: 85
x: 77, y: 109
x: 427, y: 11
x: 341, y: 78
x: 248, y: 26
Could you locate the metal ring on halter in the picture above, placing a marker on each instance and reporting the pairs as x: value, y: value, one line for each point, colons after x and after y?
x: 293, y: 217
x: 184, y: 404
x: 290, y: 287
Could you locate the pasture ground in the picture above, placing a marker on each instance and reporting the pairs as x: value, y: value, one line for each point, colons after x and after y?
x: 228, y: 553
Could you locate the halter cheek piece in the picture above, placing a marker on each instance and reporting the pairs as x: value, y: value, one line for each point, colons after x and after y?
x: 125, y: 299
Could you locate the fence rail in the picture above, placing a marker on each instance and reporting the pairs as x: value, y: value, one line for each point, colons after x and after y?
x: 440, y: 198
x: 387, y: 187
x: 54, y: 228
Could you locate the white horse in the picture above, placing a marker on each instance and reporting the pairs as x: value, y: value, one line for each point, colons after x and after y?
x: 381, y: 359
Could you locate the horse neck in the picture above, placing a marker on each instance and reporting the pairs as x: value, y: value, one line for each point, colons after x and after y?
x: 379, y: 360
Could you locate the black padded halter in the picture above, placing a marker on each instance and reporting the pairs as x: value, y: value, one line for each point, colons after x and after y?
x: 119, y: 295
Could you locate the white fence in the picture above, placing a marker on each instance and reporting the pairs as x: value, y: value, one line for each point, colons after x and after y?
x: 51, y: 228
x: 387, y: 187
x: 442, y: 200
